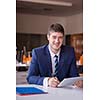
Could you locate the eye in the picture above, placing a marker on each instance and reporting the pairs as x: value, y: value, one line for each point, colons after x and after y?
x: 60, y: 37
x: 54, y: 37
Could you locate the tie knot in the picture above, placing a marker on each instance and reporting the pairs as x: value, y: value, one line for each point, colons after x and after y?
x: 56, y: 59
x: 56, y: 56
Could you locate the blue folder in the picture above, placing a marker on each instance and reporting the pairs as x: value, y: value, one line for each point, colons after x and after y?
x: 28, y: 90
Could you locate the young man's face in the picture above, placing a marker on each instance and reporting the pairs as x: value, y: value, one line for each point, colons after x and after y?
x: 55, y: 40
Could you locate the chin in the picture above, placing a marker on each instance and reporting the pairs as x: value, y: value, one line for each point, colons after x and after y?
x: 56, y: 49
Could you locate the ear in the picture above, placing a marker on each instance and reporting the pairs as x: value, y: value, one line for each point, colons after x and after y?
x: 48, y: 36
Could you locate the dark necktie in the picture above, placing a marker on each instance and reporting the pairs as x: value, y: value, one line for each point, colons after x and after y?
x: 56, y: 65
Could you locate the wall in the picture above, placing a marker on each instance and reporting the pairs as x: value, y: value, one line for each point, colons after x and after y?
x: 74, y: 24
x: 39, y: 24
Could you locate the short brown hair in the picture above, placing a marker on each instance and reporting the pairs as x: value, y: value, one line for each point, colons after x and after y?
x: 56, y: 28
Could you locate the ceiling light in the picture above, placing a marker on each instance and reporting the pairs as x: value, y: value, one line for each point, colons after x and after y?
x: 58, y: 3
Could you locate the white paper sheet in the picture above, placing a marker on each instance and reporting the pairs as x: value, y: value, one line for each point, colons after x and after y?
x: 69, y: 81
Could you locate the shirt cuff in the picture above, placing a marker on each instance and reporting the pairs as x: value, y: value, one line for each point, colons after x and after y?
x: 45, y: 82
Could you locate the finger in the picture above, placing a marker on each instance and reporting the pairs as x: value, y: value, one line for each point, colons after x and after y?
x: 78, y: 84
x: 54, y: 84
x: 56, y: 80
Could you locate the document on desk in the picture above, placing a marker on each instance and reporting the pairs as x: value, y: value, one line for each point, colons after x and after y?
x: 29, y: 90
x: 69, y: 81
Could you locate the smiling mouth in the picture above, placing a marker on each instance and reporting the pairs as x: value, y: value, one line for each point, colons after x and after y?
x: 56, y: 45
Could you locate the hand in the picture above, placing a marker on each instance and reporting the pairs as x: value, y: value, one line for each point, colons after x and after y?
x: 53, y: 82
x: 79, y: 83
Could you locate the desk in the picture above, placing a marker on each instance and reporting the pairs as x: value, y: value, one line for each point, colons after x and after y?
x: 21, y: 77
x: 53, y: 94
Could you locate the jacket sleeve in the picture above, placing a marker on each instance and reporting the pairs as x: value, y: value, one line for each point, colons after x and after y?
x: 33, y: 76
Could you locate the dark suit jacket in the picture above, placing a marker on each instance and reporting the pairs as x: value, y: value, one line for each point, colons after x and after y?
x: 41, y: 65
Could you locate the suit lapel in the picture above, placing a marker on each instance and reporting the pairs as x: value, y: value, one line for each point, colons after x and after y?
x: 61, y: 59
x: 48, y: 59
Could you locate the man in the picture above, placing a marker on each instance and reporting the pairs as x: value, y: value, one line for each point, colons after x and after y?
x: 44, y: 70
